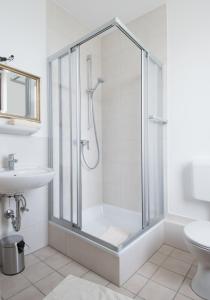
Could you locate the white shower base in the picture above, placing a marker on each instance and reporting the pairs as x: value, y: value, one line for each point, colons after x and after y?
x: 111, y: 223
x: 116, y: 267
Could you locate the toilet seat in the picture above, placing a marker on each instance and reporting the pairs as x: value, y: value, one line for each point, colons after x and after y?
x: 198, y: 233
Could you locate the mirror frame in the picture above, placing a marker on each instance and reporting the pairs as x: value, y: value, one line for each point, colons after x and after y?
x: 34, y: 77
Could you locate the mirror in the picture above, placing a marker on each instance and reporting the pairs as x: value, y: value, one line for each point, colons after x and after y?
x: 19, y: 94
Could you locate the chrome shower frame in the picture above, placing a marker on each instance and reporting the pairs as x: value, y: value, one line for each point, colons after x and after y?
x: 145, y: 55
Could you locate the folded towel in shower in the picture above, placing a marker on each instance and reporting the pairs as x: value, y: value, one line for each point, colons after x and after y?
x: 74, y: 288
x: 114, y: 235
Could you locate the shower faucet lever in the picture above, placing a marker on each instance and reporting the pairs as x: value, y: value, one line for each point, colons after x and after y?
x: 158, y: 119
x: 85, y: 143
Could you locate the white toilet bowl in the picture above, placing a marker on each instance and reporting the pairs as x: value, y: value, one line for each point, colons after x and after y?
x: 197, y: 235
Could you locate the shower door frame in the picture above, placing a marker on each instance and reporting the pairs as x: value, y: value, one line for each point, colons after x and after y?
x: 77, y: 227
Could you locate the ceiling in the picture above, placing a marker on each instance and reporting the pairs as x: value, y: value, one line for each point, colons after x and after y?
x: 93, y: 13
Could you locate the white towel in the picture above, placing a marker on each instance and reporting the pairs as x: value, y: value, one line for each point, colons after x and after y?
x: 114, y: 235
x: 74, y: 288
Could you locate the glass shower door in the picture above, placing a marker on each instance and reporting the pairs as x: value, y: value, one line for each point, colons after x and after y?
x: 106, y: 90
x: 155, y: 133
x: 59, y: 137
x: 64, y: 191
x: 110, y: 113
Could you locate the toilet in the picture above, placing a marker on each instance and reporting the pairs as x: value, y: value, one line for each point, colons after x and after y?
x: 197, y: 236
x: 197, y: 233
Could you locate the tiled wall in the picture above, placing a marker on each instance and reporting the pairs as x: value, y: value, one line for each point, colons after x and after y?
x: 121, y: 115
x: 121, y: 121
x: 92, y: 184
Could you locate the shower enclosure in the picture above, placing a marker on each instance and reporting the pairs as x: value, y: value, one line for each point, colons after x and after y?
x: 106, y: 137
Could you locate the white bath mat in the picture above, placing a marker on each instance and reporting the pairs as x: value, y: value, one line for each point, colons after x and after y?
x: 74, y: 288
x: 114, y: 236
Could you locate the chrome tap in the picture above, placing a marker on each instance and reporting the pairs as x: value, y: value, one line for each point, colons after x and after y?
x: 11, y: 161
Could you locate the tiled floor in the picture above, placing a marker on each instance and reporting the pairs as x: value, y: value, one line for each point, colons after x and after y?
x: 165, y: 276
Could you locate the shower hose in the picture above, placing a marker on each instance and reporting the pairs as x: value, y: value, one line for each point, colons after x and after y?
x: 92, y: 167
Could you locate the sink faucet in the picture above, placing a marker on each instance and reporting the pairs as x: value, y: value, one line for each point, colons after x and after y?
x: 11, y: 161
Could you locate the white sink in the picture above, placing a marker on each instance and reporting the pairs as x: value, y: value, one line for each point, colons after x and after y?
x: 21, y: 180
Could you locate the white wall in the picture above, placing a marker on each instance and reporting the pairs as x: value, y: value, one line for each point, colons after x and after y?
x: 62, y: 28
x: 150, y: 29
x: 23, y: 34
x: 188, y: 97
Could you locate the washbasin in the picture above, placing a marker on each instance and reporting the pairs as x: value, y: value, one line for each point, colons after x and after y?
x: 21, y: 180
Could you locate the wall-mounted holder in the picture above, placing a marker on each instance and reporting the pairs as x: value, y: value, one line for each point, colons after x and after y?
x: 5, y: 59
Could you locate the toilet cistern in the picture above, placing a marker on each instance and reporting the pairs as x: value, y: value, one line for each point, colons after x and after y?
x: 11, y: 161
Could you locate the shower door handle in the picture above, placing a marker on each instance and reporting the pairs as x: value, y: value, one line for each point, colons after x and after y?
x: 156, y: 119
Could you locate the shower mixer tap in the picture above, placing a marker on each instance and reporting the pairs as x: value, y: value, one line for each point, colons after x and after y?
x: 85, y: 143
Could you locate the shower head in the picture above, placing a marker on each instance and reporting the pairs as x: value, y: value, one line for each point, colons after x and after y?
x: 99, y: 81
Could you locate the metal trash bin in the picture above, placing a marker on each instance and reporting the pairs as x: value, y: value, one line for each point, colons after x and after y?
x: 12, y: 253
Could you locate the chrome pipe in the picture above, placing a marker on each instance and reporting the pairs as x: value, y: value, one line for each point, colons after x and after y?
x: 20, y: 206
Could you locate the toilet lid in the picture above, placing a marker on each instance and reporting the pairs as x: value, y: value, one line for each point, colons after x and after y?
x: 198, y: 233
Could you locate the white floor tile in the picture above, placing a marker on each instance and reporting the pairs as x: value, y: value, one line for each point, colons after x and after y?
x: 74, y: 269
x: 45, y: 252
x: 148, y: 269
x: 47, y: 284
x: 37, y: 271
x: 91, y: 276
x: 135, y: 283
x: 167, y: 278
x: 30, y: 293
x: 166, y: 249
x: 183, y: 255
x: 57, y: 261
x: 30, y: 259
x: 187, y: 291
x: 176, y: 265
x: 11, y: 285
x: 158, y: 279
x: 192, y: 272
x: 154, y: 291
x: 195, y: 263
x: 158, y: 258
x: 181, y: 297
x: 120, y: 290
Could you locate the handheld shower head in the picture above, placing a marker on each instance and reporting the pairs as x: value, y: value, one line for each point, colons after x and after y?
x: 99, y: 81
